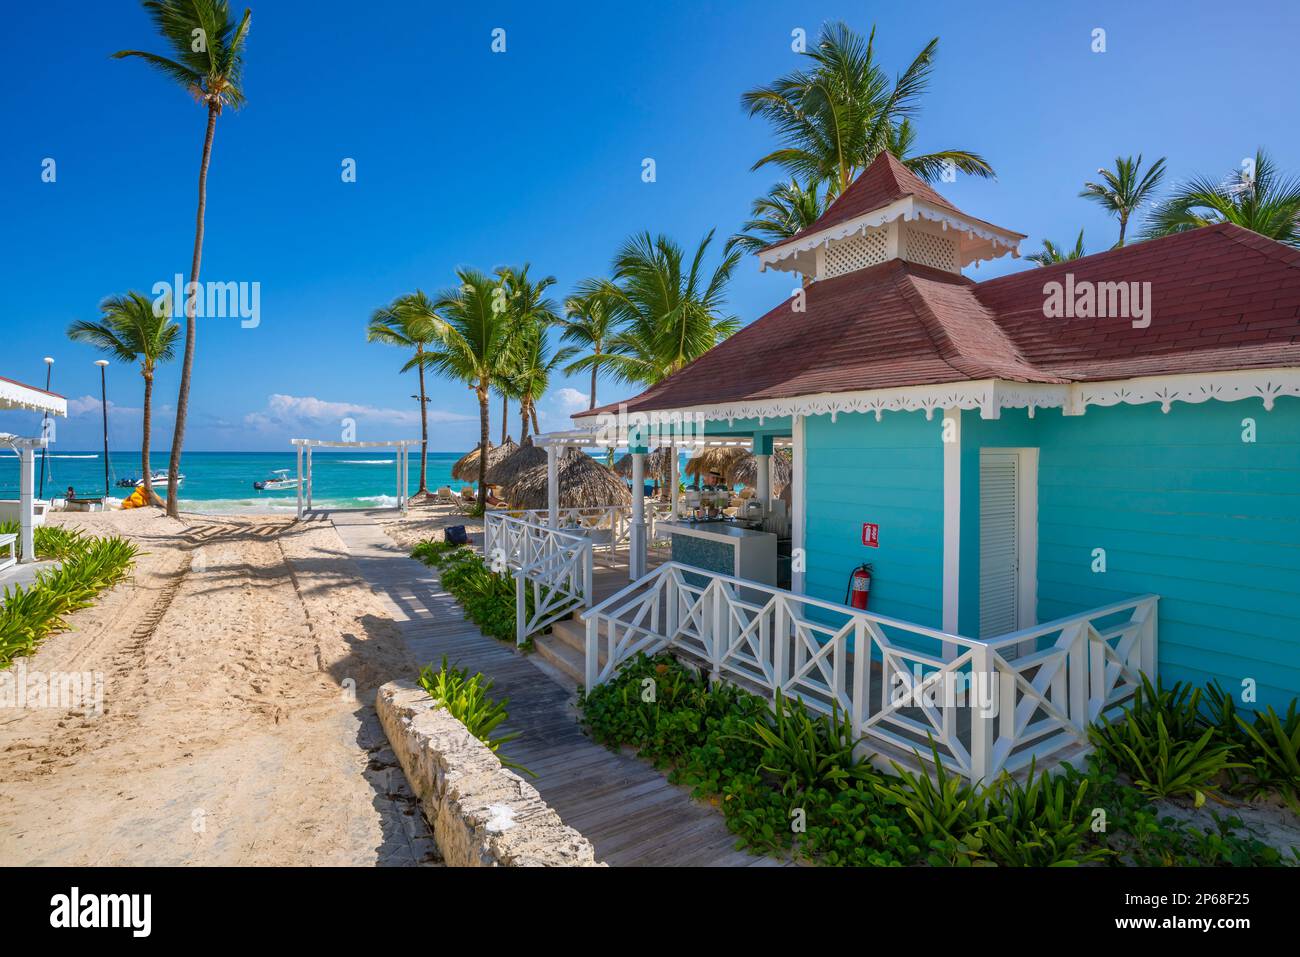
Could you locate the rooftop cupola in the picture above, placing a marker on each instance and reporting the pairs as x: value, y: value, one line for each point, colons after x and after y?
x: 889, y: 213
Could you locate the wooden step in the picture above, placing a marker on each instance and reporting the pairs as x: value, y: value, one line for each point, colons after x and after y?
x: 573, y: 632
x: 561, y: 655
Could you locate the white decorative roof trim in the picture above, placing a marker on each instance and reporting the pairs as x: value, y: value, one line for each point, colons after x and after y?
x: 15, y: 395
x: 990, y: 396
x: 907, y: 208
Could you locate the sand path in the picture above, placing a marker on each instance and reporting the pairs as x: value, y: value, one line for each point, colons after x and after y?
x: 239, y: 670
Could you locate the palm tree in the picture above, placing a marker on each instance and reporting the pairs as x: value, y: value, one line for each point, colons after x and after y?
x: 1053, y: 254
x: 132, y: 329
x: 527, y: 308
x: 411, y: 323
x: 1125, y: 188
x: 208, y: 46
x: 666, y: 310
x: 469, y: 347
x: 840, y: 113
x: 1255, y: 199
x: 531, y: 370
x: 588, y: 323
x: 788, y: 208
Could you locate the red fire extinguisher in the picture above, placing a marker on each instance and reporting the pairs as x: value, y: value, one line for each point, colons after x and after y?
x: 859, y: 587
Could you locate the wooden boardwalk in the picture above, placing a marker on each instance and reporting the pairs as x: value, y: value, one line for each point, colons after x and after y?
x: 626, y: 808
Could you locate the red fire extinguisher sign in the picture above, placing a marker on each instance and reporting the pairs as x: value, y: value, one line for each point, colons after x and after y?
x: 871, y: 534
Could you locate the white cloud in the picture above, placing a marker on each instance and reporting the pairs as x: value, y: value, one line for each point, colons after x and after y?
x: 291, y: 411
x: 89, y: 403
x: 571, y: 400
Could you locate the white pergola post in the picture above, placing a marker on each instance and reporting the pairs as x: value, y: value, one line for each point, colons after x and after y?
x: 300, y: 483
x: 763, y: 476
x: 673, y: 479
x: 26, y: 496
x: 553, y: 486
x: 636, y: 558
x: 406, y: 475
x: 309, y: 478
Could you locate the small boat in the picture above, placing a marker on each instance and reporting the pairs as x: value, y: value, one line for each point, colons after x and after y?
x: 157, y: 480
x: 279, y: 480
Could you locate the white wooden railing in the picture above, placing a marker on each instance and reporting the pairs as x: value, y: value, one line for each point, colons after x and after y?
x: 608, y: 526
x: 554, y: 565
x: 988, y: 706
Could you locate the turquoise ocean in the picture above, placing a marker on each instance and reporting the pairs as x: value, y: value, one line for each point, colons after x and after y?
x: 222, y: 482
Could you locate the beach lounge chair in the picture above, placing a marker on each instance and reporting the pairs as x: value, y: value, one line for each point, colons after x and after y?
x: 444, y: 496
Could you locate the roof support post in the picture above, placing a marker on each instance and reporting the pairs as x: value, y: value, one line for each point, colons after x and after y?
x: 636, y: 559
x: 309, y: 478
x: 300, y: 483
x: 674, y: 479
x: 553, y: 486
x: 26, y: 487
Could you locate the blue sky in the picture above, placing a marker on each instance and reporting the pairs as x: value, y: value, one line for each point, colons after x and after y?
x: 469, y: 157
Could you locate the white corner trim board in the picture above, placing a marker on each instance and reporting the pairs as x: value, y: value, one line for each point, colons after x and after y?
x: 991, y: 396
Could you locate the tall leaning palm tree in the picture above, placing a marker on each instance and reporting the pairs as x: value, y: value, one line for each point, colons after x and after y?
x: 469, y: 347
x: 842, y: 110
x: 667, y: 309
x: 1125, y: 188
x: 1254, y: 198
x: 587, y: 325
x: 207, y: 47
x: 410, y: 322
x: 132, y: 329
x: 1053, y: 254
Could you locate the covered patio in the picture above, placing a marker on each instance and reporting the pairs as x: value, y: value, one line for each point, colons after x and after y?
x: 17, y: 396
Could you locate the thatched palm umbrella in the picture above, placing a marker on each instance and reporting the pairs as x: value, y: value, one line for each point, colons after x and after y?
x: 720, y: 459
x: 657, y: 464
x: 466, y: 467
x: 745, y: 471
x: 509, y: 468
x: 584, y: 483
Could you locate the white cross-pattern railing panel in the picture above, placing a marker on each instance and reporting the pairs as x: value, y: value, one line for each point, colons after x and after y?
x: 987, y: 706
x: 608, y: 526
x: 553, y: 565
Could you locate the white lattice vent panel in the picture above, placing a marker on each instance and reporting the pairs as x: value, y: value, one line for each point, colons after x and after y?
x: 855, y: 252
x: 928, y: 249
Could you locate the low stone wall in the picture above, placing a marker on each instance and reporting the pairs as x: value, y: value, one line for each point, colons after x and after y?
x: 483, y: 815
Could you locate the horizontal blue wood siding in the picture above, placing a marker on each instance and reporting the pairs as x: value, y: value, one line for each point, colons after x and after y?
x: 1184, y: 509
x: 888, y: 472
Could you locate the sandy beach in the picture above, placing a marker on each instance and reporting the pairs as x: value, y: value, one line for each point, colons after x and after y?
x: 239, y: 668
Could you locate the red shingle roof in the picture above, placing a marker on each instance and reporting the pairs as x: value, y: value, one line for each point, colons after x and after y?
x: 1221, y: 298
x: 880, y: 184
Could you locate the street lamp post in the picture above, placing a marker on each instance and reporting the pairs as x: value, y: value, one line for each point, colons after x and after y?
x: 45, y: 425
x: 103, y: 404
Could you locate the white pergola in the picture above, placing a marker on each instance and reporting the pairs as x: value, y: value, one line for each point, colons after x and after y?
x: 15, y: 395
x: 556, y: 442
x: 402, y: 460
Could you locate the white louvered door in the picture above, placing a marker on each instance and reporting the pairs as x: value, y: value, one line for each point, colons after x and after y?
x: 1000, y: 482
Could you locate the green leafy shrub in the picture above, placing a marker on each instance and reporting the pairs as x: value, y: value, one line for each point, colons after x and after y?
x: 50, y: 541
x: 466, y: 699
x: 946, y: 811
x: 88, y: 567
x: 1273, y: 752
x: 436, y: 553
x: 806, y: 752
x: 1045, y: 822
x: 1154, y: 841
x: 487, y: 597
x: 1162, y: 742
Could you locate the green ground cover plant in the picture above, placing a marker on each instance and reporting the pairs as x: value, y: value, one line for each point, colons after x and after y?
x: 487, y: 597
x: 788, y: 781
x: 466, y: 699
x: 88, y: 566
